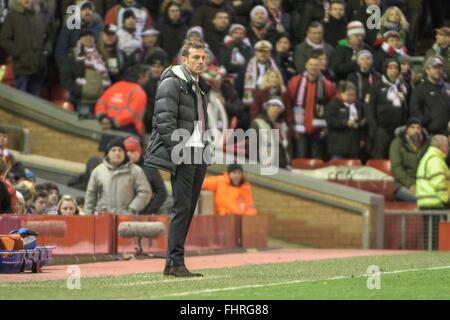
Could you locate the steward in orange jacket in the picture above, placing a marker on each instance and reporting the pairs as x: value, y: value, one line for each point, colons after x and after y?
x: 122, y: 106
x: 232, y: 192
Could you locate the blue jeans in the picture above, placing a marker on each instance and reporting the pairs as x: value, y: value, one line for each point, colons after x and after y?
x: 30, y: 83
x: 404, y: 194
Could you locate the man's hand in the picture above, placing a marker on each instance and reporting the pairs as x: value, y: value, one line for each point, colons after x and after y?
x: 106, y: 124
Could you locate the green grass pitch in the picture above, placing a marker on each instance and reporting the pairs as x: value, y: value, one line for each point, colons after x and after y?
x: 407, y: 276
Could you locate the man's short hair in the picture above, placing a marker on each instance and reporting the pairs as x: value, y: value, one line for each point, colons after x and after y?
x: 345, y: 85
x: 337, y: 2
x: 191, y: 45
x: 221, y: 11
x: 40, y: 194
x: 315, y: 54
x: 437, y: 139
x: 2, y: 131
x: 315, y: 24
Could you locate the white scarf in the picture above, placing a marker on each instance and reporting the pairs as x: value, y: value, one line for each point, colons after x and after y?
x: 396, y: 92
x: 353, y: 111
x: 313, y: 45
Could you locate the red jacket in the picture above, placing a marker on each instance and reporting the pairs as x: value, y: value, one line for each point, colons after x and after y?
x: 124, y: 103
x: 12, y: 194
x: 310, y: 99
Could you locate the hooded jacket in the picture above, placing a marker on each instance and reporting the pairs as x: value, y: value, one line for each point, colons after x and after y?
x: 27, y: 36
x: 175, y: 108
x: 117, y: 190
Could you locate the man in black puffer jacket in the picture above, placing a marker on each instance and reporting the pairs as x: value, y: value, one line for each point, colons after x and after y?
x: 430, y: 101
x: 181, y: 103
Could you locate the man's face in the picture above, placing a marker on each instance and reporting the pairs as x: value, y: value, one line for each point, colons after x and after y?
x: 130, y: 23
x: 315, y: 35
x: 53, y: 197
x: 221, y: 21
x: 435, y: 73
x: 273, y: 4
x: 40, y: 204
x: 372, y: 2
x: 365, y: 63
x: 156, y: 70
x: 356, y: 39
x: 86, y: 15
x: 394, y: 42
x: 27, y: 4
x: 195, y: 61
x: 313, y: 67
x: 116, y: 156
x: 134, y: 156
x: 442, y: 41
x: 149, y: 41
x: 195, y: 37
x: 259, y: 19
x: 238, y: 35
x: 414, y: 131
x: 349, y: 96
x: 88, y: 41
x: 392, y: 72
x: 3, y: 140
x: 143, y: 78
x: 262, y: 55
x: 444, y: 146
x: 109, y: 39
x: 323, y: 62
x: 236, y: 177
x: 337, y: 11
x: 174, y: 13
x: 283, y: 45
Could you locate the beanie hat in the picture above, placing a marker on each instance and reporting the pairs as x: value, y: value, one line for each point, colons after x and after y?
x: 236, y: 26
x: 128, y: 13
x: 234, y: 166
x: 355, y: 27
x: 258, y: 8
x: 413, y: 120
x: 196, y: 29
x: 132, y: 144
x: 86, y: 4
x: 150, y: 32
x: 365, y: 53
x: 391, y: 33
x: 115, y: 142
x: 274, y: 100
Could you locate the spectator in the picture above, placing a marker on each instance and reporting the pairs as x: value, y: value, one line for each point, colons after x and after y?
x: 335, y: 28
x: 313, y: 41
x: 204, y: 14
x: 259, y: 27
x: 68, y: 206
x: 117, y: 186
x: 68, y: 36
x: 345, y: 122
x: 172, y: 30
x: 393, y: 19
x: 5, y: 154
x: 405, y: 152
x: 27, y: 195
x: 309, y: 92
x: 257, y: 68
x: 130, y: 40
x: 432, y: 187
x: 84, y: 74
x: 26, y: 35
x: 159, y: 192
x: 346, y: 53
x: 236, y: 51
x: 392, y: 47
x: 40, y: 202
x: 242, y: 9
x: 314, y: 10
x: 326, y: 72
x: 53, y: 198
x: 271, y: 118
x: 232, y: 192
x: 185, y: 6
x: 21, y: 208
x: 430, y: 101
x: 441, y: 48
x: 7, y: 191
x: 284, y: 56
x: 122, y: 106
x: 278, y: 18
x: 114, y: 58
x: 357, y: 10
x: 387, y: 108
x: 157, y: 66
x: 215, y: 36
x: 116, y: 15
x: 150, y: 47
x: 364, y: 77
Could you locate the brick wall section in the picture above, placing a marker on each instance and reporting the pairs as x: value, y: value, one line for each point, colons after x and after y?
x: 53, y: 143
x: 310, y: 223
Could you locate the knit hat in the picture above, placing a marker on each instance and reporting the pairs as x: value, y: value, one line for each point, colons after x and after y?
x: 196, y: 29
x: 355, y: 27
x: 413, y: 120
x: 150, y: 32
x: 274, y: 100
x: 364, y: 53
x: 128, y: 13
x: 258, y: 8
x: 263, y: 45
x: 236, y: 26
x: 115, y: 142
x: 433, y: 61
x: 132, y: 144
x: 234, y: 166
x: 110, y: 29
x: 391, y: 33
x: 86, y: 4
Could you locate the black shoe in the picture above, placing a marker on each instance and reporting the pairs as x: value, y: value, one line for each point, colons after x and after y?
x: 182, y: 272
x: 166, y: 270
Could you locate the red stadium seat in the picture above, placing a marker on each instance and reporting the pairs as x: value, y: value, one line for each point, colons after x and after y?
x: 382, y: 165
x: 305, y: 163
x: 345, y: 162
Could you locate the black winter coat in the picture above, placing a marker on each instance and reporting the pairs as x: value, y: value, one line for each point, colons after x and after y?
x: 341, y: 62
x: 431, y: 103
x: 334, y: 30
x: 171, y: 36
x: 175, y: 108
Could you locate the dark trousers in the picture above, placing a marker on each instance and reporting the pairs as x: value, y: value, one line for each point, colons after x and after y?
x: 186, y: 187
x: 381, y: 142
x: 30, y: 83
x: 310, y: 145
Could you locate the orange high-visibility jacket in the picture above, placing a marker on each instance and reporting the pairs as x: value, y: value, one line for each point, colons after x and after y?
x: 124, y: 103
x: 230, y: 199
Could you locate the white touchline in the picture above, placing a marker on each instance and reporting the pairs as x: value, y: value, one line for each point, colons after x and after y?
x: 180, y: 294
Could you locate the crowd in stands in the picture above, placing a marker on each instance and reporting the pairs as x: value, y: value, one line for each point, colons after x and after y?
x: 335, y: 87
